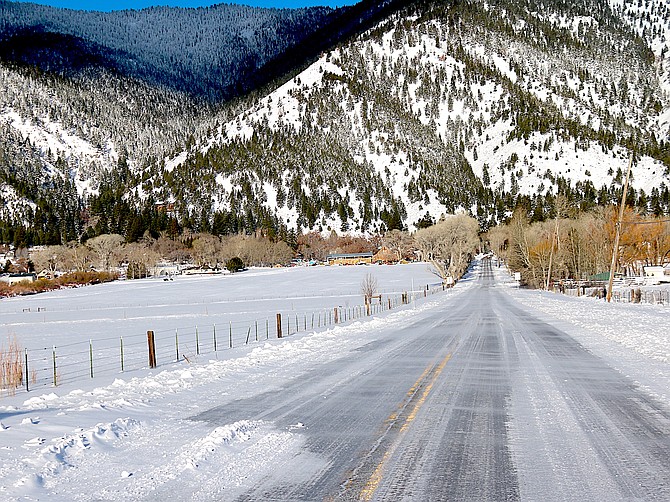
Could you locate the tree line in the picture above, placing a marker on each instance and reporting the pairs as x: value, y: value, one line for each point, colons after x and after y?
x: 448, y: 245
x: 577, y: 245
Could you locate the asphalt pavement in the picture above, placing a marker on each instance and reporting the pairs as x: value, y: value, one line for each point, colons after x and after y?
x: 478, y: 400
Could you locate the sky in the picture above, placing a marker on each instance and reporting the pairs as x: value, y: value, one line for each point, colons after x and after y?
x: 108, y: 5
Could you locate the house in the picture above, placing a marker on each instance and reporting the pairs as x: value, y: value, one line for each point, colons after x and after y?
x: 656, y: 275
x: 165, y: 207
x: 385, y: 255
x: 349, y: 258
x: 12, y: 279
x: 165, y: 270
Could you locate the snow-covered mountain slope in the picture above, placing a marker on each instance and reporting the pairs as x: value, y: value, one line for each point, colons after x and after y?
x: 650, y: 19
x: 476, y: 105
x: 208, y: 51
x: 447, y: 107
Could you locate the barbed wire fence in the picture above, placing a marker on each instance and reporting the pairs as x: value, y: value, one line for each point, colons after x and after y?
x: 45, y: 367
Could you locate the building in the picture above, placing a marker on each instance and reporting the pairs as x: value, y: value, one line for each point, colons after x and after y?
x: 165, y: 270
x: 656, y: 275
x: 12, y: 279
x: 349, y: 258
x: 385, y: 255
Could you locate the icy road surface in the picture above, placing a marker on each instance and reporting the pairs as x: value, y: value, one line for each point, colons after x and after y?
x: 479, y: 402
x: 484, y: 392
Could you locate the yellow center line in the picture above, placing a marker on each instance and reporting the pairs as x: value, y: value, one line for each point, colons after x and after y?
x: 424, y: 395
x: 375, y: 479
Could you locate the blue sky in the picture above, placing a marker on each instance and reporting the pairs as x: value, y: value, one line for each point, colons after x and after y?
x: 106, y: 5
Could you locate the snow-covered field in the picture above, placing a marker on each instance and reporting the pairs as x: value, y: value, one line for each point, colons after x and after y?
x: 191, y: 314
x: 95, y: 439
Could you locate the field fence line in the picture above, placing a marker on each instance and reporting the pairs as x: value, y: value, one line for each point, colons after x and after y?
x: 53, y: 366
x: 633, y: 295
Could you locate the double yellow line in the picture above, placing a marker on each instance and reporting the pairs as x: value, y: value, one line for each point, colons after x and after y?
x: 368, y: 491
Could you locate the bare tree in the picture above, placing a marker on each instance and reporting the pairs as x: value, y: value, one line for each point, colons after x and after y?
x: 255, y: 250
x: 140, y: 259
x: 105, y: 246
x: 77, y: 257
x: 280, y: 253
x: 401, y: 243
x: 498, y: 239
x: 369, y: 288
x: 206, y: 249
x: 171, y: 250
x: 449, y: 244
x: 50, y: 259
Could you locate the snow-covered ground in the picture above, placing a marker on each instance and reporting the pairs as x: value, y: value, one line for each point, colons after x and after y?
x: 95, y: 439
x: 633, y: 338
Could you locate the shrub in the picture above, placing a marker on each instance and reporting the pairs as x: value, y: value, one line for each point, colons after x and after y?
x: 11, y: 367
x: 235, y: 264
x: 66, y: 280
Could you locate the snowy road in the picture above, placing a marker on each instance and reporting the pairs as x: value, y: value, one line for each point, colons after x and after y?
x: 480, y: 402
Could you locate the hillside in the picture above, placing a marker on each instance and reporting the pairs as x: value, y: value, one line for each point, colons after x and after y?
x: 442, y: 107
x: 438, y: 107
x: 212, y: 51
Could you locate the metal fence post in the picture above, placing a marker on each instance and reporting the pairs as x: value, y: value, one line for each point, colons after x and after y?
x: 27, y: 379
x: 54, y: 366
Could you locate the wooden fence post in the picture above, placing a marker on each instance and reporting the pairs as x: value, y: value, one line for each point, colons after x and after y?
x: 336, y: 315
x: 152, y: 349
x: 279, y: 333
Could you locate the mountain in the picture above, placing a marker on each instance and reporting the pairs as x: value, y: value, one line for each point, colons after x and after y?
x: 212, y: 51
x: 389, y: 114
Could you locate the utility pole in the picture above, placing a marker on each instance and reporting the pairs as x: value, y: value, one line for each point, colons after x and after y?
x: 615, y: 251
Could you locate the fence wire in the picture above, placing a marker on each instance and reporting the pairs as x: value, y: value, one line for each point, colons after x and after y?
x: 66, y: 363
x: 634, y: 295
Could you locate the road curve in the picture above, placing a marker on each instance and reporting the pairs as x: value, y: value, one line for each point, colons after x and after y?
x: 477, y: 401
